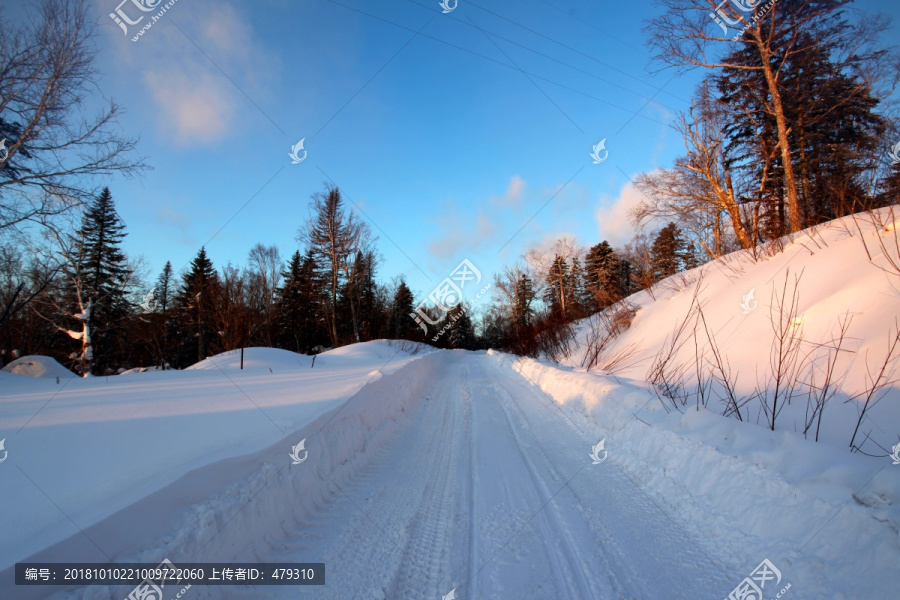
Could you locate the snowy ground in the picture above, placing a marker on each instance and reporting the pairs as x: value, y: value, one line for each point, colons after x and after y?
x: 452, y: 470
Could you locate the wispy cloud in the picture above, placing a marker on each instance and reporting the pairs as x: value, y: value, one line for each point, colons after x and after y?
x: 195, y: 103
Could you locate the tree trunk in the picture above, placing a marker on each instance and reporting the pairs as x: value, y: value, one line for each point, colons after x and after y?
x: 790, y: 182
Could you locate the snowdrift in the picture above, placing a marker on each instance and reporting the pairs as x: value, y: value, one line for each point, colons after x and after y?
x: 37, y: 366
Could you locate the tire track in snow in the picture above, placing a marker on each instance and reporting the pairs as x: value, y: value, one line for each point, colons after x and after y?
x: 427, y: 553
x: 570, y: 572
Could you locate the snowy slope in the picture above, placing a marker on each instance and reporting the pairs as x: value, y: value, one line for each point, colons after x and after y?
x: 835, y: 280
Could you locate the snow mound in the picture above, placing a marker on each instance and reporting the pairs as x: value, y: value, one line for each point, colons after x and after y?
x: 255, y: 359
x: 37, y: 366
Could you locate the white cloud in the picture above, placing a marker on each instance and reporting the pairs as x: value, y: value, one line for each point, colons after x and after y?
x: 195, y: 102
x: 194, y: 108
x: 614, y: 216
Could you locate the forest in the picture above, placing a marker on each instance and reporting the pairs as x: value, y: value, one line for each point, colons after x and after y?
x: 791, y: 128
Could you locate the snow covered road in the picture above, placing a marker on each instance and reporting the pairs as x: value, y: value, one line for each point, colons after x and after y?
x: 435, y: 472
x: 489, y: 489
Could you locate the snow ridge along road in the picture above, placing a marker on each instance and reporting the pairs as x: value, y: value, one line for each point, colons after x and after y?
x: 488, y: 489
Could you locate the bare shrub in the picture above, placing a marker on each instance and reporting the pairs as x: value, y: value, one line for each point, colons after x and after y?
x: 720, y: 372
x: 603, y: 329
x: 884, y: 221
x: 822, y: 385
x: 872, y: 393
x: 665, y: 374
x: 785, y: 362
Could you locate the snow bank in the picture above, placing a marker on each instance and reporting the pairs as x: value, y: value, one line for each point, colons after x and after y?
x: 221, y: 512
x: 87, y: 448
x: 37, y: 366
x: 817, y: 512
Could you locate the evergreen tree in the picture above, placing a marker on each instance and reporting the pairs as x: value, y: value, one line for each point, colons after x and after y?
x: 104, y: 277
x: 667, y: 252
x: 462, y: 333
x: 196, y: 302
x: 523, y: 313
x: 401, y: 325
x: 607, y: 276
x: 164, y: 292
x: 578, y: 294
x: 558, y: 281
x: 829, y: 108
x: 300, y: 305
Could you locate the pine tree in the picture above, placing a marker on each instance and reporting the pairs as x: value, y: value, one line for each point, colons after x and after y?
x: 667, y: 252
x: 401, y: 325
x: 104, y: 277
x: 558, y: 281
x: 196, y: 303
x: 523, y: 313
x: 462, y: 333
x: 578, y: 294
x: 607, y: 276
x: 300, y: 304
x: 164, y: 292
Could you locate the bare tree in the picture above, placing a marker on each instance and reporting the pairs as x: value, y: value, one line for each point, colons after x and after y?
x: 264, y: 278
x: 53, y: 153
x: 637, y: 253
x: 231, y: 312
x: 872, y: 394
x: 553, y: 268
x: 700, y: 193
x: 516, y: 292
x: 335, y: 235
x: 21, y: 282
x: 57, y: 309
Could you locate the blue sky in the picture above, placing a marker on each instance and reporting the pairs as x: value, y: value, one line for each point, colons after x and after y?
x: 439, y: 138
